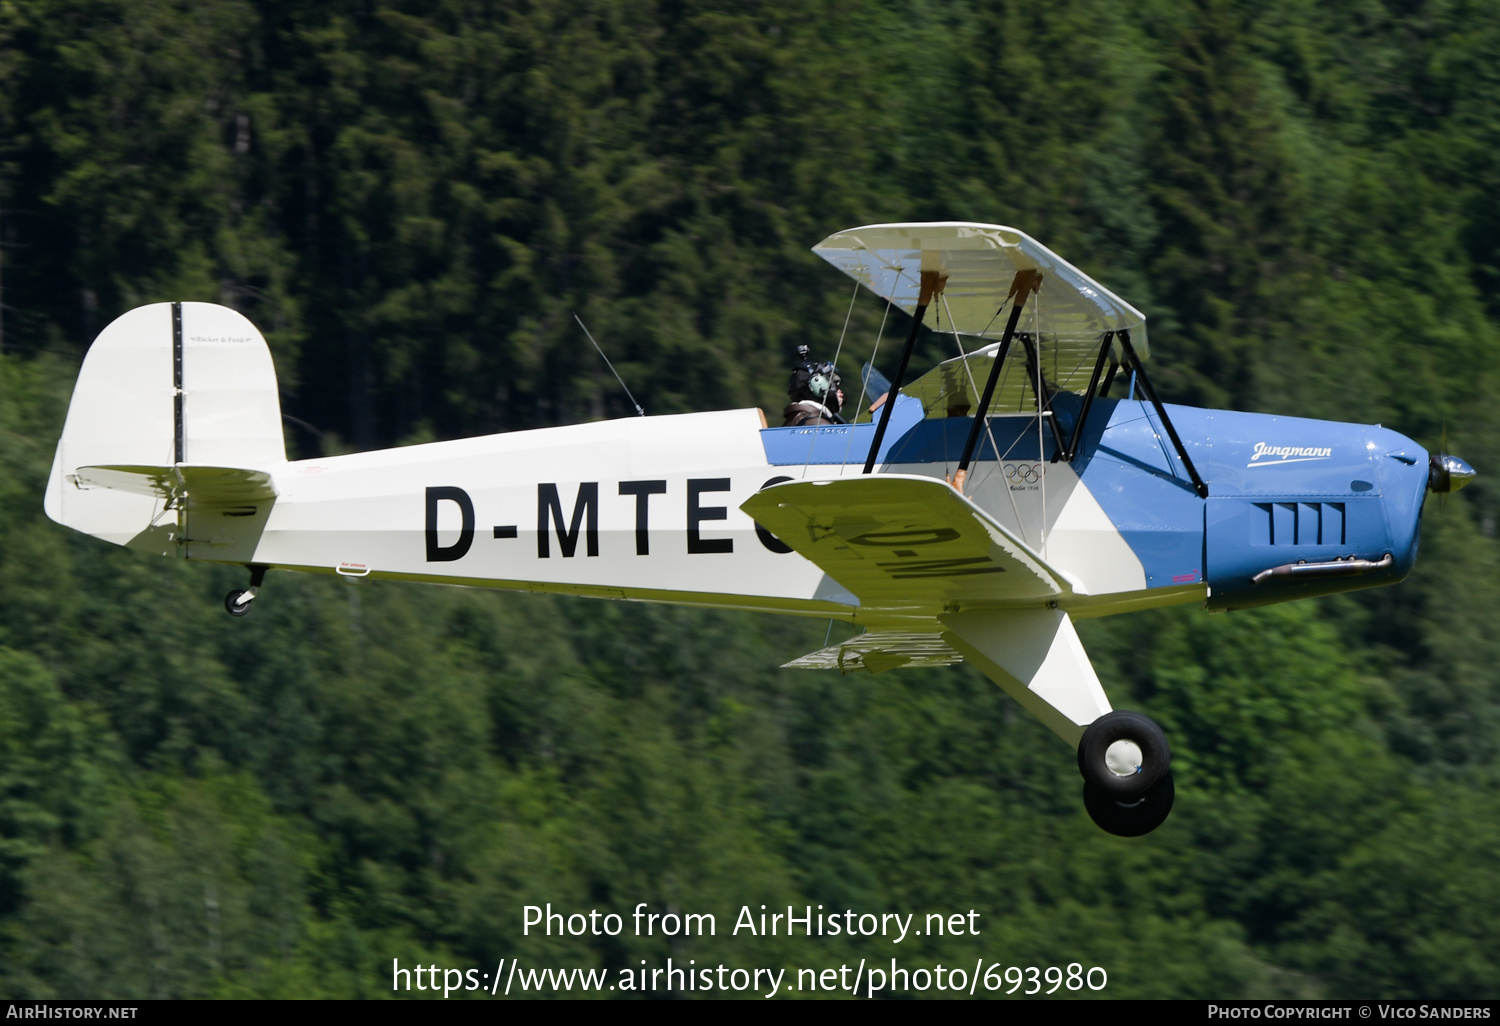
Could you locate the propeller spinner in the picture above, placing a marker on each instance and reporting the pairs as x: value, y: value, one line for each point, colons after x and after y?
x: 1447, y: 473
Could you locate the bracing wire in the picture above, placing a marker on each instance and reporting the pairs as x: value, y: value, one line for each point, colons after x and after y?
x: 864, y: 379
x: 836, y: 352
x: 973, y: 385
x: 839, y: 349
x: 989, y: 431
x: 1041, y: 412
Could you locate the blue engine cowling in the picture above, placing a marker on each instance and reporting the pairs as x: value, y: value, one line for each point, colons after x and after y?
x: 1289, y: 492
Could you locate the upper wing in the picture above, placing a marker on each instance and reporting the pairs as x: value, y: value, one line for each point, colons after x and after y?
x: 980, y: 261
x: 906, y: 543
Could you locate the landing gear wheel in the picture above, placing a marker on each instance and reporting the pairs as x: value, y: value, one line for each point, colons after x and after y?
x: 1122, y: 755
x: 237, y: 602
x: 1133, y: 818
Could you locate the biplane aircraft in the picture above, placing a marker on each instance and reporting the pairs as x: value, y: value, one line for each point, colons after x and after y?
x: 992, y: 501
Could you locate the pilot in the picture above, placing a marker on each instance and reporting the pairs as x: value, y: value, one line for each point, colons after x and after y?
x: 815, y: 394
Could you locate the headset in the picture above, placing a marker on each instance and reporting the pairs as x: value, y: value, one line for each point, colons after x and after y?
x: 818, y: 382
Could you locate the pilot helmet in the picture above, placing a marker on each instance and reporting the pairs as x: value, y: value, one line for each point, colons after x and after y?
x: 818, y: 382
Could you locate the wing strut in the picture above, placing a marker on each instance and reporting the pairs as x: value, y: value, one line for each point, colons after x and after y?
x: 1198, y: 486
x: 932, y: 284
x: 1088, y: 397
x: 1043, y: 393
x: 1109, y: 379
x: 1023, y: 285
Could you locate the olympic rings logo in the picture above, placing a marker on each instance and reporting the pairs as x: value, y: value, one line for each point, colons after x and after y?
x: 1023, y: 473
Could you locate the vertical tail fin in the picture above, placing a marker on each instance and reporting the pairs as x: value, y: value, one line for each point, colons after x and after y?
x: 163, y: 386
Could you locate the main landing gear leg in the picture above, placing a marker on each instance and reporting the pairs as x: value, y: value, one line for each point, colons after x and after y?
x: 1127, y: 774
x: 238, y: 602
x: 1035, y: 655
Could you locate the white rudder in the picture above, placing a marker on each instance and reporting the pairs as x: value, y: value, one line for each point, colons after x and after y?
x: 165, y: 389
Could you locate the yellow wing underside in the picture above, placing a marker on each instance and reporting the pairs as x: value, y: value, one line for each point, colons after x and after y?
x: 906, y: 544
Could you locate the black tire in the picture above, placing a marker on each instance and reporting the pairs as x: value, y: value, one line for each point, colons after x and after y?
x: 1156, y: 754
x: 1135, y: 818
x: 234, y: 606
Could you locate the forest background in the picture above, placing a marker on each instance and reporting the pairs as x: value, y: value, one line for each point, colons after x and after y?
x: 410, y: 199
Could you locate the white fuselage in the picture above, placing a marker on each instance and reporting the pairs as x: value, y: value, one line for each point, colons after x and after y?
x: 643, y: 508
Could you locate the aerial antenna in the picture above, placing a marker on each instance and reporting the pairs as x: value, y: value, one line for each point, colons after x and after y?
x: 610, y: 366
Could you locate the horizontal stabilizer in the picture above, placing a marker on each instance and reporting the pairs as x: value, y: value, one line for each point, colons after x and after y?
x: 905, y: 542
x: 878, y: 651
x: 201, y: 486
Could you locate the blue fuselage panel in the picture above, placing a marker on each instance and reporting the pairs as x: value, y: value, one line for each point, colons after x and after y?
x: 1281, y: 489
x: 840, y: 443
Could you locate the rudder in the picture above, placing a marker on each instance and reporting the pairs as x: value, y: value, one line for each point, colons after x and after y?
x: 163, y: 385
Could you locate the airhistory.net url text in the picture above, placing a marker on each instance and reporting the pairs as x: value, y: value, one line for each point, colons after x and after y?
x: 855, y: 980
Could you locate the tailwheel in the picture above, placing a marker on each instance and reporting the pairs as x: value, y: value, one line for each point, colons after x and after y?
x: 1130, y: 818
x: 237, y: 602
